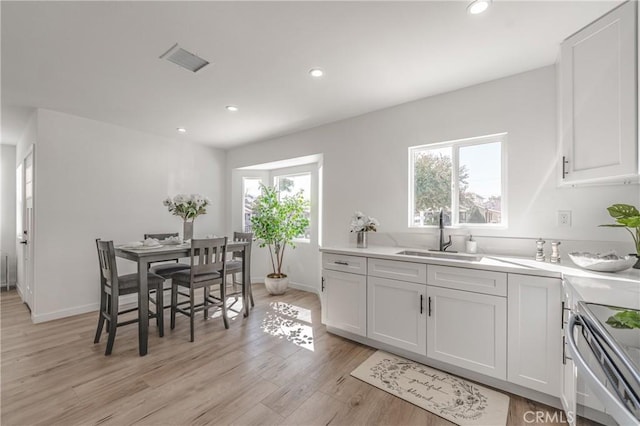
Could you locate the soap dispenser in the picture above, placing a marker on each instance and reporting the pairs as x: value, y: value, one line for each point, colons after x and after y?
x: 472, y: 245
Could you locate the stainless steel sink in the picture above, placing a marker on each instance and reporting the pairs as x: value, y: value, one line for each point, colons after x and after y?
x: 442, y: 255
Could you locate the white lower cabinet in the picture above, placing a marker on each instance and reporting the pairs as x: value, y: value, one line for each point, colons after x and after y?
x: 396, y: 313
x: 344, y: 301
x: 506, y: 326
x: 535, y: 332
x: 569, y: 371
x: 468, y: 330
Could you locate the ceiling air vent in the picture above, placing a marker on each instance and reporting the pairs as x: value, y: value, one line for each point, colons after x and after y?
x: 185, y: 59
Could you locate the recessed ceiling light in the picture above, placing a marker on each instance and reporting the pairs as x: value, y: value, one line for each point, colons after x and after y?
x: 232, y: 108
x: 181, y: 130
x: 316, y: 72
x: 478, y: 6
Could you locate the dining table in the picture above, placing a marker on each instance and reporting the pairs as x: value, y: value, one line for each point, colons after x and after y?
x: 144, y: 256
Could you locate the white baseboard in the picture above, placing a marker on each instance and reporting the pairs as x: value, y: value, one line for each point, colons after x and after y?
x: 50, y: 316
x: 19, y: 290
x: 304, y: 287
x: 292, y: 284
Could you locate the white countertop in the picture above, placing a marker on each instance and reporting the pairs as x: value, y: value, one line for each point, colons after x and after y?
x: 618, y: 288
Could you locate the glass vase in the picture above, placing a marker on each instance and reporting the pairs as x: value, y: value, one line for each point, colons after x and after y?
x: 187, y: 231
x: 361, y: 239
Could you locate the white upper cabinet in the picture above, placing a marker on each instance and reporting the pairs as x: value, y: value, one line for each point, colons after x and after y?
x: 598, y: 94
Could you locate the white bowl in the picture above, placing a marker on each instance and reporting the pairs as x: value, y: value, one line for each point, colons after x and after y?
x: 607, y: 262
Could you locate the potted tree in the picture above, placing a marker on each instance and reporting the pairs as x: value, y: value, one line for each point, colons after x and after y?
x: 275, y: 223
x: 628, y: 217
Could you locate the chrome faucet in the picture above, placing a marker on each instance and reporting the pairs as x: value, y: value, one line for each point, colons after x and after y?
x: 443, y: 246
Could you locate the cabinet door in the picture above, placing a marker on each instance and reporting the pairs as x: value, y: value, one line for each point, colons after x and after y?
x: 468, y: 330
x: 598, y: 99
x: 344, y: 298
x: 396, y: 313
x: 535, y: 332
x: 569, y: 372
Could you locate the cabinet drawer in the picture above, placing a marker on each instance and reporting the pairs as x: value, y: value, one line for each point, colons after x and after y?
x: 397, y: 270
x: 486, y: 282
x: 344, y: 263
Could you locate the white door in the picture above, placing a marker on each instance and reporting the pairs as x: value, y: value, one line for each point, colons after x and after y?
x: 396, y: 313
x: 25, y: 200
x: 468, y: 330
x: 345, y: 301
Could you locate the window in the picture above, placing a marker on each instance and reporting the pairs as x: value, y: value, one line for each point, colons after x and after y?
x: 250, y: 191
x: 464, y: 179
x: 289, y: 185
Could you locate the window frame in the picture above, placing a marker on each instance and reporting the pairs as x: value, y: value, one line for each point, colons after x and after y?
x: 244, y: 189
x: 455, y: 146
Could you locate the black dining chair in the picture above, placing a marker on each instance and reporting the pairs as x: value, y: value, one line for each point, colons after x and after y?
x: 208, y: 268
x: 166, y: 268
x: 113, y: 286
x: 235, y: 267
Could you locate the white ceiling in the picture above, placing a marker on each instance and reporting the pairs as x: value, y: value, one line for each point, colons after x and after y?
x: 100, y: 60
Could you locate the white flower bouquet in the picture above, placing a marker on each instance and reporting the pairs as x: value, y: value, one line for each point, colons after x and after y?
x: 363, y: 223
x: 188, y: 207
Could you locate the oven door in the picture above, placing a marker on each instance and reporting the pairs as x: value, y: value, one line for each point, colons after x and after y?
x: 598, y: 376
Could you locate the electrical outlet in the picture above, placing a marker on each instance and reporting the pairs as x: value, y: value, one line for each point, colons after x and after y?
x: 564, y: 218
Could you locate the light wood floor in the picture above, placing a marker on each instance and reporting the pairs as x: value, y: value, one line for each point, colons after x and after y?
x: 53, y: 374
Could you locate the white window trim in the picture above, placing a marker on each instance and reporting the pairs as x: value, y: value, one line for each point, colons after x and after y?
x: 457, y: 144
x: 244, y: 188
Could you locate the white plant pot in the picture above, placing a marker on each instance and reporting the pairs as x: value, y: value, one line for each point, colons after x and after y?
x: 276, y: 284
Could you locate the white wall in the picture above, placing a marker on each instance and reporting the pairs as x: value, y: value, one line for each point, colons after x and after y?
x: 8, y: 212
x: 96, y: 180
x: 366, y: 167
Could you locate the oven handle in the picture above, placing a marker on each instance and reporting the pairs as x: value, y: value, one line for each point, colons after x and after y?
x: 591, y: 379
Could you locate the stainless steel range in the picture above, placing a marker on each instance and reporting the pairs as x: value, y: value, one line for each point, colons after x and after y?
x: 612, y: 369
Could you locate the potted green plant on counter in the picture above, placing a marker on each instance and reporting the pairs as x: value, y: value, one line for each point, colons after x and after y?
x: 628, y: 217
x: 276, y: 221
